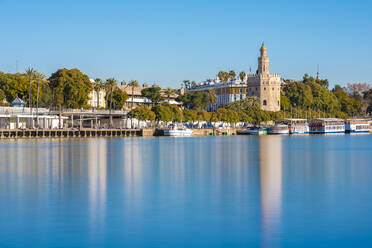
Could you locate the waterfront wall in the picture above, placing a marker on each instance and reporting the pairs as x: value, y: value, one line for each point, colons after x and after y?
x: 91, y: 132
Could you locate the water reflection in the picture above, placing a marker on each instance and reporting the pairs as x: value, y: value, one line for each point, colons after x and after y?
x: 271, y: 189
x: 188, y: 192
x: 97, y: 181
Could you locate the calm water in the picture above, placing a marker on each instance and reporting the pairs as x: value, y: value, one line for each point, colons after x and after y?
x: 273, y: 191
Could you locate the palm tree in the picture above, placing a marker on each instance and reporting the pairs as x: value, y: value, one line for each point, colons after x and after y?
x: 232, y: 74
x: 242, y: 76
x: 98, y: 86
x: 220, y: 75
x: 110, y: 84
x: 40, y: 79
x: 212, y: 96
x: 168, y: 92
x: 133, y: 83
x: 30, y: 74
x: 186, y: 83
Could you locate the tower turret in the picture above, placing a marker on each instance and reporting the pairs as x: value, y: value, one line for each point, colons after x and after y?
x: 263, y: 61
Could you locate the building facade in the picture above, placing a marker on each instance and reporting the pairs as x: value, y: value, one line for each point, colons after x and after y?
x: 97, y: 98
x: 262, y: 84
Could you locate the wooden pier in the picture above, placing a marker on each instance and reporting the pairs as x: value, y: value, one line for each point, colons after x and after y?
x: 65, y: 133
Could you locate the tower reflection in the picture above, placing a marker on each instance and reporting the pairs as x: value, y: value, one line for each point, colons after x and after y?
x: 97, y: 178
x: 270, y: 157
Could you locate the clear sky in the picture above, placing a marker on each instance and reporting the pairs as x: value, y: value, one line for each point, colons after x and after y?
x: 165, y: 41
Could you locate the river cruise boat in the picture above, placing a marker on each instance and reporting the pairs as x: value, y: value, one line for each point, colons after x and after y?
x: 357, y: 126
x: 253, y: 131
x: 279, y: 129
x: 175, y: 131
x: 327, y: 125
x: 296, y: 126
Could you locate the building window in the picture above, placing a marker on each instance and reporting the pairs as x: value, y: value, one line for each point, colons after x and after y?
x: 264, y: 102
x: 265, y: 88
x: 273, y: 88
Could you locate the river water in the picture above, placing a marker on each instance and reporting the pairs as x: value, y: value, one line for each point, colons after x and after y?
x: 244, y: 191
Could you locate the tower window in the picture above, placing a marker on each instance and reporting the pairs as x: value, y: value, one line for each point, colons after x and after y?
x: 265, y: 88
x: 264, y: 102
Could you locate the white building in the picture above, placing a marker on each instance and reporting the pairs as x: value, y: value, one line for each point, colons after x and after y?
x: 97, y: 98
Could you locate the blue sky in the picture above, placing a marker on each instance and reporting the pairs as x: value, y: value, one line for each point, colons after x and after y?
x: 165, y: 42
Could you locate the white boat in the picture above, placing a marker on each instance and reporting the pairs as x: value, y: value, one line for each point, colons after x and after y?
x: 357, y: 126
x: 327, y: 125
x: 279, y: 129
x: 295, y: 125
x: 177, y: 132
x: 253, y: 131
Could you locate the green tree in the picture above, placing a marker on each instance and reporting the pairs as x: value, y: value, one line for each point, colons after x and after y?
x: 40, y: 79
x: 119, y: 97
x: 14, y: 85
x: 71, y: 88
x: 232, y: 75
x: 133, y: 84
x: 177, y: 115
x: 110, y: 85
x: 168, y: 93
x: 98, y: 86
x: 2, y: 97
x: 203, y: 115
x: 142, y: 113
x: 163, y: 113
x: 196, y: 99
x: 223, y: 76
x: 31, y: 75
x: 153, y: 93
x: 190, y: 115
x: 367, y: 96
x: 242, y: 76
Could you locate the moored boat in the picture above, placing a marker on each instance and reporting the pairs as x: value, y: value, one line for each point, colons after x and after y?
x: 177, y: 132
x: 296, y: 126
x: 253, y: 131
x: 357, y: 126
x: 327, y: 125
x: 279, y: 129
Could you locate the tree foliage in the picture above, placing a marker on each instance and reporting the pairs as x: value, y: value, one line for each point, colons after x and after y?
x: 198, y: 99
x: 17, y: 84
x: 119, y: 97
x: 153, y: 93
x: 71, y: 87
x: 142, y: 113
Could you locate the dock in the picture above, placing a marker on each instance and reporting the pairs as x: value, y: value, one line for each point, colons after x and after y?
x: 93, y: 132
x: 55, y: 133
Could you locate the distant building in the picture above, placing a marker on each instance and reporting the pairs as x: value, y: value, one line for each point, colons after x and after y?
x: 136, y: 99
x: 97, y: 99
x: 262, y: 84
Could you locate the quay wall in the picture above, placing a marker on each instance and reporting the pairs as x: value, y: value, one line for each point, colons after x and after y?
x: 91, y: 132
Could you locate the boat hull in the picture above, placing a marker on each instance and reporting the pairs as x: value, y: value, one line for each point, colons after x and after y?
x: 178, y: 133
x: 251, y: 132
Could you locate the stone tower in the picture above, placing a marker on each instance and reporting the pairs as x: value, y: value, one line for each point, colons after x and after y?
x: 269, y: 84
x: 263, y: 61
